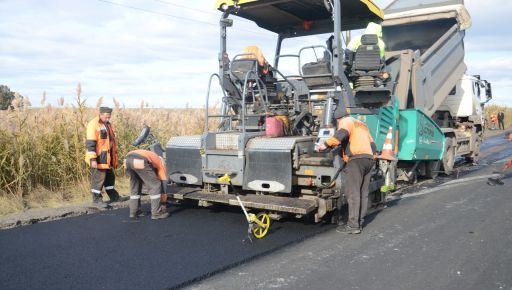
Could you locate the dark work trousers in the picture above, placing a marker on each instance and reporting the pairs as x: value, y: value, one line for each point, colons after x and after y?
x: 103, y: 178
x: 141, y: 173
x: 356, y: 188
x: 501, y: 124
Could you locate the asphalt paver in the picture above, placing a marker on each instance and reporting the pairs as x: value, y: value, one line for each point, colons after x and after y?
x: 110, y: 251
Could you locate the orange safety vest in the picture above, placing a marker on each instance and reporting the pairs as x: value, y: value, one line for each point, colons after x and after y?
x: 359, y: 139
x: 154, y: 159
x: 101, y: 144
x: 254, y: 52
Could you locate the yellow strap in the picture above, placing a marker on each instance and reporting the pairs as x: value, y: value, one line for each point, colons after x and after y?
x: 225, y: 178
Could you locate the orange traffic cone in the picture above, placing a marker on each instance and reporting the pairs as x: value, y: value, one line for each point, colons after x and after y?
x: 387, y: 149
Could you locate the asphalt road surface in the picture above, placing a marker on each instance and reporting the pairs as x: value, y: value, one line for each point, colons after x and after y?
x: 108, y: 251
x: 459, y: 237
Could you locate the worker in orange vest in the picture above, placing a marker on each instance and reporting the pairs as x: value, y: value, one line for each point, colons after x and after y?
x: 358, y: 150
x: 101, y: 156
x: 494, y: 120
x: 147, y: 168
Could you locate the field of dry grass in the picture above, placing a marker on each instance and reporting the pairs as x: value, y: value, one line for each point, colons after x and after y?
x: 42, y: 150
x: 489, y: 109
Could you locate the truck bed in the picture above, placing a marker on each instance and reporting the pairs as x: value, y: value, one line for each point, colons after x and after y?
x: 425, y: 54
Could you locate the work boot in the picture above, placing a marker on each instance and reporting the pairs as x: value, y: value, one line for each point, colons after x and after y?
x: 114, y: 196
x: 138, y: 214
x: 134, y: 205
x: 346, y: 229
x: 157, y: 211
x: 97, y: 200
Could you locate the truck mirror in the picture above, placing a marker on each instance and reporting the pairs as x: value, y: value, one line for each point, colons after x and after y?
x: 488, y: 90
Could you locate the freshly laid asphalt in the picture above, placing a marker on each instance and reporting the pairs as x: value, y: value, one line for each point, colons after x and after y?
x: 456, y: 238
x: 109, y: 251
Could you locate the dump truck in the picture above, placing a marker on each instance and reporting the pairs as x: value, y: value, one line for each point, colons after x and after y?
x: 281, y: 174
x: 425, y: 57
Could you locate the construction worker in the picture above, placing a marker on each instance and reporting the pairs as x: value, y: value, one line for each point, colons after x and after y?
x: 253, y: 51
x: 147, y: 168
x: 372, y: 28
x: 494, y: 120
x: 102, y: 157
x: 501, y: 119
x: 358, y: 151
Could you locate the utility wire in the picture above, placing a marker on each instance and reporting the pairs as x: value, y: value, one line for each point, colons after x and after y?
x: 174, y: 16
x: 186, y: 7
x: 183, y: 18
x: 158, y: 13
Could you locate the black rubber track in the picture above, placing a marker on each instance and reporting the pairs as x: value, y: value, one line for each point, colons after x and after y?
x: 109, y: 251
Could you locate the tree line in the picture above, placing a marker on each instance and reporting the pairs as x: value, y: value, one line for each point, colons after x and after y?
x: 6, y: 97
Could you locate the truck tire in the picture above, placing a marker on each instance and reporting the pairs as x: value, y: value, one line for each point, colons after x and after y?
x: 449, y: 156
x: 473, y: 157
x: 432, y: 168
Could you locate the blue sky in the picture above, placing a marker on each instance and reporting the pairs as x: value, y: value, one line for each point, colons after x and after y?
x: 166, y: 55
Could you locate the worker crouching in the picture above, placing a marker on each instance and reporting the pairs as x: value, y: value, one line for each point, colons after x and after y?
x: 146, y: 168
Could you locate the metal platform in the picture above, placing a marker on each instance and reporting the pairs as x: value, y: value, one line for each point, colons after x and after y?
x: 264, y: 202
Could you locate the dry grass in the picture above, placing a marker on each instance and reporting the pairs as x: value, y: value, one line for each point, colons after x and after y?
x: 489, y: 109
x: 42, y: 150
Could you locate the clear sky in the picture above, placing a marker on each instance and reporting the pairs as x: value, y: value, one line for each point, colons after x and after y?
x: 163, y: 51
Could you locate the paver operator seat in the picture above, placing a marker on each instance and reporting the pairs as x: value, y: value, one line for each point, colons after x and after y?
x: 367, y: 60
x: 366, y: 74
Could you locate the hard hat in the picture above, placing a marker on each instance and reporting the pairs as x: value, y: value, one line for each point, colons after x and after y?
x: 373, y: 28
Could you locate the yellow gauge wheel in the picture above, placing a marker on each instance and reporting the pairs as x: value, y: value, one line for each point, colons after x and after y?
x: 262, y: 224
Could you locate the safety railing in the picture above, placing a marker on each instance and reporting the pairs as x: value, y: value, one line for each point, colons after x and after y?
x: 312, y: 47
x: 227, y: 101
x: 223, y: 114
